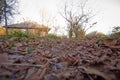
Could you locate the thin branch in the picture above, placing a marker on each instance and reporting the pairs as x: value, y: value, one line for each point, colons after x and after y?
x: 65, y: 11
x: 70, y: 14
x: 14, y: 64
x: 65, y: 17
x: 80, y: 19
x: 91, y: 26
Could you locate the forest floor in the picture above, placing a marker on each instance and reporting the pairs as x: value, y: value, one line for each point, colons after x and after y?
x: 67, y: 59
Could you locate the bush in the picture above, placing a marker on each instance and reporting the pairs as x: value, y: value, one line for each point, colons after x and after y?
x: 52, y: 36
x: 115, y: 32
x: 102, y: 38
x: 115, y: 35
x: 18, y: 34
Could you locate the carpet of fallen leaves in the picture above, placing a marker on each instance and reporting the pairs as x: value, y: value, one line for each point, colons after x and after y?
x: 44, y: 59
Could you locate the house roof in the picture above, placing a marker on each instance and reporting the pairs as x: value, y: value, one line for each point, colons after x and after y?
x: 28, y: 25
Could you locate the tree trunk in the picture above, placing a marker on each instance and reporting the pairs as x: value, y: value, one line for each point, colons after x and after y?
x: 76, y: 34
x: 70, y: 33
x: 6, y: 25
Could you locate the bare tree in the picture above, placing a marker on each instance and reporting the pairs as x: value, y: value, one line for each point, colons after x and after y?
x: 7, y: 10
x: 77, y: 18
x: 49, y: 20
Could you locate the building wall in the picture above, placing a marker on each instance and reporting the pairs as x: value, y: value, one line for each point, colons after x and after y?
x: 2, y: 31
x: 40, y: 32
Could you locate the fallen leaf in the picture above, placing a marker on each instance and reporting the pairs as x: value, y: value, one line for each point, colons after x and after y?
x: 18, y: 44
x: 30, y: 72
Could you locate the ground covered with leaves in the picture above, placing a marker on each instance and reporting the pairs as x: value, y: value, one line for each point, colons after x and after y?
x: 68, y: 59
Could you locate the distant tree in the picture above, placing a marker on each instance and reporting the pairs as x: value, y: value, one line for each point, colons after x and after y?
x: 77, y: 18
x: 49, y: 20
x: 7, y: 10
x: 115, y: 32
x: 116, y: 29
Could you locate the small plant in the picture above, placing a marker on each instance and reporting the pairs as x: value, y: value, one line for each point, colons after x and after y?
x: 18, y: 34
x: 52, y: 36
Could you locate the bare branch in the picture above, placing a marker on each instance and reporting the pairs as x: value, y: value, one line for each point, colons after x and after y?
x: 64, y: 17
x: 91, y: 26
x: 65, y: 13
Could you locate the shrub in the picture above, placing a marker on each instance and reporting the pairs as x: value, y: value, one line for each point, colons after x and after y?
x: 102, y: 38
x: 52, y: 36
x: 18, y: 34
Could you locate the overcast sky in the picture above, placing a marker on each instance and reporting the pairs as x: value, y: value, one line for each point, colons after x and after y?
x: 107, y: 12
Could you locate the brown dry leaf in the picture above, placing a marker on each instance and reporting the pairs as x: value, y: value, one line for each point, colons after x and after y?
x: 4, y: 72
x: 39, y: 75
x: 110, y: 42
x: 18, y: 44
x: 65, y: 74
x: 51, y: 77
x: 16, y: 57
x: 4, y: 58
x: 30, y: 72
x: 118, y: 65
x: 98, y: 73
